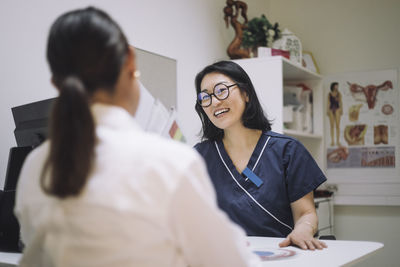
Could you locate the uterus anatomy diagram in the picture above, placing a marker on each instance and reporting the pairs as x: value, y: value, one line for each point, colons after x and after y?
x: 354, y: 134
x: 355, y: 131
x: 370, y: 91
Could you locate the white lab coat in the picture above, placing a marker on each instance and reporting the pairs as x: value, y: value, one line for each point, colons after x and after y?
x: 148, y: 202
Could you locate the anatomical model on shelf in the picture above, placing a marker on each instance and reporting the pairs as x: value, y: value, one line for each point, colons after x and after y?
x: 369, y: 91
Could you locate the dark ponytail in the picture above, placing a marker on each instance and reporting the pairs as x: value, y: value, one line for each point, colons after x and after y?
x: 85, y: 50
x: 72, y: 135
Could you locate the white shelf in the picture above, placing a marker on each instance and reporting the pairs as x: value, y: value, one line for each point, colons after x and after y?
x: 292, y: 71
x: 269, y: 76
x: 295, y: 72
x: 302, y: 134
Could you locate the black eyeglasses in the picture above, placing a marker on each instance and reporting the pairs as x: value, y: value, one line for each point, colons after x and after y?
x: 221, y: 92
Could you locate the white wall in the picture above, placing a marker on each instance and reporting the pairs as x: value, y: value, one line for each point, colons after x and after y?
x: 347, y: 36
x: 343, y: 36
x: 191, y: 31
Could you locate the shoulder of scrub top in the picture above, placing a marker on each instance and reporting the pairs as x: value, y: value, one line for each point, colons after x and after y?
x: 204, y: 147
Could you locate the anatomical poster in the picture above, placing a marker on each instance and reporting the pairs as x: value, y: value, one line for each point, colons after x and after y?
x: 362, y: 119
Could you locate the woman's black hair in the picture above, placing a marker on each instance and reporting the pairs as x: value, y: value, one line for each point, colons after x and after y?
x: 86, y: 50
x: 253, y: 116
x: 333, y: 85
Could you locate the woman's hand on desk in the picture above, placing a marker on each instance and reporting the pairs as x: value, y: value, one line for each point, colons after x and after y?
x: 302, y: 237
x: 306, y: 223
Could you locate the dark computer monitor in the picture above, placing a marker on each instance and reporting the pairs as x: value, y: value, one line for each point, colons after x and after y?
x: 9, y: 227
x: 16, y: 158
x: 31, y: 122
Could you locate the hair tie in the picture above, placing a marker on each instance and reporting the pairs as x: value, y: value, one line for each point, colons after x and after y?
x: 73, y: 82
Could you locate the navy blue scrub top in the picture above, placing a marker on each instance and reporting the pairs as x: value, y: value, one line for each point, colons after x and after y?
x: 288, y: 173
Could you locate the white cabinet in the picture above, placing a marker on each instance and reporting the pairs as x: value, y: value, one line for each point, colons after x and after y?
x: 269, y: 76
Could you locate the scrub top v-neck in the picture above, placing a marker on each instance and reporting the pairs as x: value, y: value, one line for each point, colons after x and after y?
x: 287, y: 172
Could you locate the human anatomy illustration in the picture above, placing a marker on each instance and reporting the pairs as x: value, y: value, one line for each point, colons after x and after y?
x: 370, y: 91
x: 354, y: 134
x: 340, y: 153
x: 381, y: 134
x: 363, y: 119
x: 335, y: 111
x: 354, y: 112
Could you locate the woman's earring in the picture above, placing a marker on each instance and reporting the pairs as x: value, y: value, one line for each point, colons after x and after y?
x: 136, y: 74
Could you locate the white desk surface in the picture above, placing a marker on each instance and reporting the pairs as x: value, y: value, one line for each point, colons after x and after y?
x: 9, y: 258
x: 338, y: 253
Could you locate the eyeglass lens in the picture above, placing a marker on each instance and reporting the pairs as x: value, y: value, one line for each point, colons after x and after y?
x: 221, y: 92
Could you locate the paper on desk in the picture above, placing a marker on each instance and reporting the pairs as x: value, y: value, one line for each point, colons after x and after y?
x: 270, y: 254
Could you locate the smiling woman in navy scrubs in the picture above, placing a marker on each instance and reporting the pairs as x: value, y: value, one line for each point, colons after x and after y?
x: 264, y: 180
